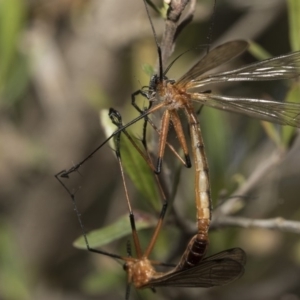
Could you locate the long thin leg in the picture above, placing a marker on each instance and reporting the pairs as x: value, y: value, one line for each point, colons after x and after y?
x: 72, y: 195
x: 74, y: 168
x: 118, y: 121
x: 165, y: 121
x: 146, y: 119
x: 164, y: 130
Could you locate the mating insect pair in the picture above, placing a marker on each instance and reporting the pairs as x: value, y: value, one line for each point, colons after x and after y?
x: 193, y: 269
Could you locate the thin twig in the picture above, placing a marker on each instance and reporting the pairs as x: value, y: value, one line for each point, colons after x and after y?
x: 187, y: 19
x: 171, y: 25
x: 275, y: 224
x: 229, y: 207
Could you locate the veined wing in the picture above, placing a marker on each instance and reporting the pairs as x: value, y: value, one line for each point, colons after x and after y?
x: 213, y: 59
x: 284, y: 113
x: 236, y: 254
x: 276, y: 68
x: 207, y: 273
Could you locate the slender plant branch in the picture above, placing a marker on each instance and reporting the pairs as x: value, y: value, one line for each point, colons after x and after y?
x: 278, y: 223
x: 187, y: 19
x: 230, y: 206
x: 221, y: 214
x: 172, y: 26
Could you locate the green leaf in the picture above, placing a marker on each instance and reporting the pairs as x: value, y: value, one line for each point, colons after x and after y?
x: 164, y: 10
x: 294, y: 22
x: 107, y: 125
x: 272, y: 132
x: 140, y: 173
x: 154, y: 7
x: 161, y: 11
x: 119, y: 229
x: 14, y: 276
x: 135, y: 166
x: 148, y: 69
x: 289, y: 131
x: 258, y: 52
x: 12, y: 14
x: 294, y: 32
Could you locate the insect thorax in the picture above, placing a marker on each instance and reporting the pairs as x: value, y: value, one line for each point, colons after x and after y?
x: 139, y: 272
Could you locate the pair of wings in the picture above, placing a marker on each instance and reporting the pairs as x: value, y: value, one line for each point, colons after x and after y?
x: 215, y: 270
x: 276, y: 68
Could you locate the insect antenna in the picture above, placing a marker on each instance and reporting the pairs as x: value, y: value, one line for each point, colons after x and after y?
x: 158, y: 48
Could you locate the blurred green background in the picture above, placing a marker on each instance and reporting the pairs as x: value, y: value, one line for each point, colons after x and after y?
x: 61, y: 61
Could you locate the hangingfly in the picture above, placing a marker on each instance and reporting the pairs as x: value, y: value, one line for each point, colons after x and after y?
x: 174, y: 95
x: 171, y: 96
x: 192, y: 270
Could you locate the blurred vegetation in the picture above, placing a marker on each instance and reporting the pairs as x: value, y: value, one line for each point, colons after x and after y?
x: 61, y: 61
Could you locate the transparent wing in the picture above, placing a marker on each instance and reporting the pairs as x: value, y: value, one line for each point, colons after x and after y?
x: 213, y: 59
x: 236, y: 254
x: 208, y: 273
x: 276, y: 68
x: 215, y: 270
x: 284, y: 113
